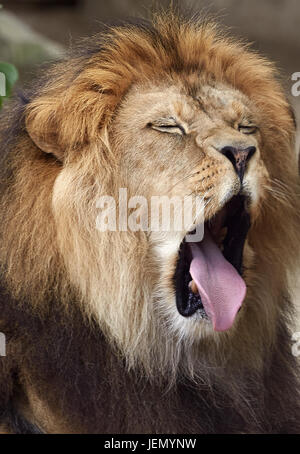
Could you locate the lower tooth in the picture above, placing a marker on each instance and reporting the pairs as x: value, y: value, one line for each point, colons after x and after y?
x: 193, y: 287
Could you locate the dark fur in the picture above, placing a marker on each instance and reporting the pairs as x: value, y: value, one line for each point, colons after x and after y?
x: 70, y: 362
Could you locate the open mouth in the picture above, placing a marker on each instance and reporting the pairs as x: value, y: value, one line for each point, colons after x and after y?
x: 208, y: 277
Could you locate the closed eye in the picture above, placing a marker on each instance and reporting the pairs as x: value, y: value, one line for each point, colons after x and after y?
x: 167, y: 125
x: 247, y: 129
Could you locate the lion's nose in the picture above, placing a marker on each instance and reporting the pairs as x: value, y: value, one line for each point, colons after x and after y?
x: 239, y: 157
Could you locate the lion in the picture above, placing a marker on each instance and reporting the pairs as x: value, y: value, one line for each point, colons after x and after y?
x: 150, y: 330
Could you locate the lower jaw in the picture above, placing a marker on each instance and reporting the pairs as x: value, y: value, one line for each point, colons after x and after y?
x: 190, y: 303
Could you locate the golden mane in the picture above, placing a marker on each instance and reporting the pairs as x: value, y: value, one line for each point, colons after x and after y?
x: 72, y: 113
x: 92, y: 87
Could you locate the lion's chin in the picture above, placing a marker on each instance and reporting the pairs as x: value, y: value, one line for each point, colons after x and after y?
x: 208, y: 277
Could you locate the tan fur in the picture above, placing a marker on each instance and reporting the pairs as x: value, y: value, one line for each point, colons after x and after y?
x: 94, y: 122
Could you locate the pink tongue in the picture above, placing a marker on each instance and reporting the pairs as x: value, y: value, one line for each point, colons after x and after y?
x: 221, y: 288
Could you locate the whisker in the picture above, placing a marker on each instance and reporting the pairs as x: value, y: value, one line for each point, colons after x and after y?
x: 280, y: 191
x: 186, y: 177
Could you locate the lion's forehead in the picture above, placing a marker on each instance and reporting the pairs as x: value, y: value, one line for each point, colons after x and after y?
x: 225, y: 100
x: 188, y: 101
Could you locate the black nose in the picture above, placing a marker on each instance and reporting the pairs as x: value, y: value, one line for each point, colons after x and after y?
x: 239, y: 158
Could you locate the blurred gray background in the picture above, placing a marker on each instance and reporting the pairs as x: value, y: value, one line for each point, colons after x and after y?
x: 33, y: 31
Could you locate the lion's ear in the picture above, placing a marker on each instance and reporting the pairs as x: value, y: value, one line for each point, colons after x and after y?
x: 67, y: 118
x: 42, y: 128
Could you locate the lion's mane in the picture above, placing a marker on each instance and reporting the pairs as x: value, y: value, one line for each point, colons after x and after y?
x: 132, y: 370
